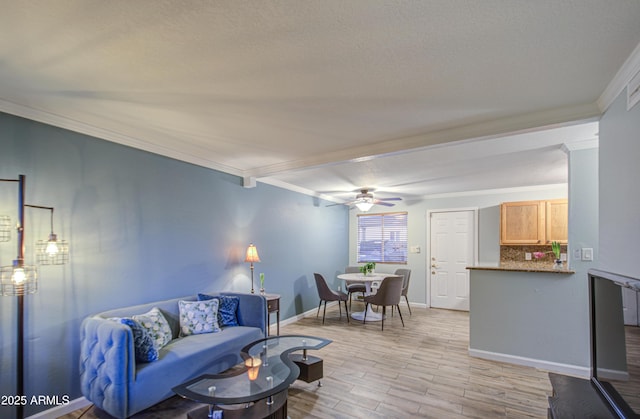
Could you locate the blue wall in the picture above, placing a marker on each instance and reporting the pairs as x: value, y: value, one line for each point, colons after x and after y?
x: 142, y: 227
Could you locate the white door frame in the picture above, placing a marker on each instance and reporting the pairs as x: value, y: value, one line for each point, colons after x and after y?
x: 428, y: 244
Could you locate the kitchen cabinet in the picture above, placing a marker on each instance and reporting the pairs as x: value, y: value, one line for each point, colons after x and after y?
x: 556, y: 221
x: 522, y: 222
x: 533, y: 222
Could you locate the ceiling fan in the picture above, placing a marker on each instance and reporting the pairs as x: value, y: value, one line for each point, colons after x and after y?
x: 365, y: 200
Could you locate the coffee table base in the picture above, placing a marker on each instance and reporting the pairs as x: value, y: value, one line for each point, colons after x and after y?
x: 256, y: 410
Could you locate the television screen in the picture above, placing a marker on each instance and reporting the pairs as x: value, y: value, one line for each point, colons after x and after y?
x: 615, y: 343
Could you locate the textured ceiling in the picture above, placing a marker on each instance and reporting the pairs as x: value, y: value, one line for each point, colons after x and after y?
x: 297, y: 92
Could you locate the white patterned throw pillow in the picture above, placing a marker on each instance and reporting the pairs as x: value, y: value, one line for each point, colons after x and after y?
x: 198, y: 317
x: 156, y: 325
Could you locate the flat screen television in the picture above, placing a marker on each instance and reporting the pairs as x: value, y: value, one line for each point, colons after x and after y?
x: 615, y: 346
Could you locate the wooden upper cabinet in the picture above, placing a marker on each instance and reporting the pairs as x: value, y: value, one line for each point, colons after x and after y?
x: 534, y: 222
x: 557, y: 221
x: 522, y: 222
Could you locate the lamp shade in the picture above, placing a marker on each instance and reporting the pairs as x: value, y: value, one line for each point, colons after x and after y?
x: 18, y: 279
x: 252, y: 254
x: 364, y: 205
x: 52, y: 251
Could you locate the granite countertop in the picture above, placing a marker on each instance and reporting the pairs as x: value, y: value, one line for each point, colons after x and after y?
x: 525, y: 266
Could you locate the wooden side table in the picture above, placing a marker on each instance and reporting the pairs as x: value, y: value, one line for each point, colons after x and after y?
x: 273, y: 306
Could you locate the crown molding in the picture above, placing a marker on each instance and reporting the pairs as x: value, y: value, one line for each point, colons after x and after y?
x: 294, y: 188
x: 498, y: 191
x: 630, y: 68
x: 103, y: 134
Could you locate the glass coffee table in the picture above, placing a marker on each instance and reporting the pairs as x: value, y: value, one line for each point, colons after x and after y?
x: 260, y: 383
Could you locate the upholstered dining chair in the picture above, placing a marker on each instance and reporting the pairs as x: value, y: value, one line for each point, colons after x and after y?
x: 327, y: 294
x: 388, y: 295
x: 354, y: 286
x: 406, y: 274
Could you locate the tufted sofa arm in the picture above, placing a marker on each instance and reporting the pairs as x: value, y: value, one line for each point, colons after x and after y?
x: 107, y: 363
x: 252, y: 310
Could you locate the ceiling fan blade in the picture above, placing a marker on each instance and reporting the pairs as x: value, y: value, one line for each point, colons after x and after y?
x: 389, y: 199
x: 386, y: 204
x: 341, y: 203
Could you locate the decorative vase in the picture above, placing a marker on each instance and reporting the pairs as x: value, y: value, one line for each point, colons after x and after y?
x: 261, y: 283
x: 558, y: 264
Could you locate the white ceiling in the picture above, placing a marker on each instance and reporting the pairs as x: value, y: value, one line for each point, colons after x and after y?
x: 306, y: 94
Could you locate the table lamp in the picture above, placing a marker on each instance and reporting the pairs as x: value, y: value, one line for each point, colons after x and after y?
x: 252, y: 256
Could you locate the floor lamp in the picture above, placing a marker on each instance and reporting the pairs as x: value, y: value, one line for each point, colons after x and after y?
x: 20, y: 279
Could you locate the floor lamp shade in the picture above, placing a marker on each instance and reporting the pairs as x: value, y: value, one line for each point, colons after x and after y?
x: 18, y: 280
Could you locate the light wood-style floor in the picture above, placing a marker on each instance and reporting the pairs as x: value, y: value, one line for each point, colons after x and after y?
x: 421, y: 370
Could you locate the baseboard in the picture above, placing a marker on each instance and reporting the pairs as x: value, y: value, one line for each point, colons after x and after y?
x: 300, y: 316
x: 313, y: 312
x: 564, y: 369
x: 62, y: 410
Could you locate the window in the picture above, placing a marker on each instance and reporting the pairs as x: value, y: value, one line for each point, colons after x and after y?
x: 382, y: 238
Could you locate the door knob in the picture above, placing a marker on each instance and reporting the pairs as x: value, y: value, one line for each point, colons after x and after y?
x: 433, y: 265
x: 433, y: 272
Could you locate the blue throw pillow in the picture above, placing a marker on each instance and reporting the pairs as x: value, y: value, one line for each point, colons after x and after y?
x: 227, y: 309
x: 143, y: 343
x: 197, y: 317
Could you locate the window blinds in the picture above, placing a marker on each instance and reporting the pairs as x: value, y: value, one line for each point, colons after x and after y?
x: 382, y: 238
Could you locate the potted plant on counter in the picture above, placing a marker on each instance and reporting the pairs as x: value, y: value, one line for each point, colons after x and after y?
x: 368, y: 268
x: 555, y: 248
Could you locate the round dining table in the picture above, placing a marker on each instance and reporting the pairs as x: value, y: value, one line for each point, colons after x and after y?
x: 368, y: 280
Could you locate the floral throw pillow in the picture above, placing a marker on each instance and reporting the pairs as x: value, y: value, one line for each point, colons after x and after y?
x: 227, y: 309
x: 198, y: 317
x: 156, y: 325
x: 144, y: 347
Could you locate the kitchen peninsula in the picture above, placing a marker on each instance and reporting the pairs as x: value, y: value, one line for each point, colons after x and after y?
x: 518, y: 315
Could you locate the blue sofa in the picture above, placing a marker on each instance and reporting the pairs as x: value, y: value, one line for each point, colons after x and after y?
x: 112, y: 380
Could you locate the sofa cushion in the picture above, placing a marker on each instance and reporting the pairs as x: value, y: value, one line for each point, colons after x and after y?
x: 197, y: 317
x: 143, y: 345
x: 156, y: 325
x: 227, y: 309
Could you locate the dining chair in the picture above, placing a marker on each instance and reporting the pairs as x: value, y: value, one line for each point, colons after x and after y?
x: 388, y: 295
x: 354, y: 286
x: 406, y: 274
x: 327, y: 294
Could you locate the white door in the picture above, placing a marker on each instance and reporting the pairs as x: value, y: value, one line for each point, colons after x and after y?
x: 452, y: 250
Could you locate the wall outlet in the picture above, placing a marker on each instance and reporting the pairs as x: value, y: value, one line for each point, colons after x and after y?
x: 577, y: 254
x: 527, y: 256
x: 563, y: 257
x: 414, y: 249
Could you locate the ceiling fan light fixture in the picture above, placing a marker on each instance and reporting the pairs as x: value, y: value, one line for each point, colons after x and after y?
x: 364, y: 204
